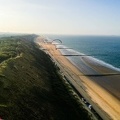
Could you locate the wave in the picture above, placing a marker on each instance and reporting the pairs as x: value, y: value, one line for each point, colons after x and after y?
x: 71, y: 52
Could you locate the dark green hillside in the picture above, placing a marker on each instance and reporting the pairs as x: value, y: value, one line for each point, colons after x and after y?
x: 30, y: 87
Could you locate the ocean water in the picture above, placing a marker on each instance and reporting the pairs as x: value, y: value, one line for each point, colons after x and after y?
x: 105, y: 49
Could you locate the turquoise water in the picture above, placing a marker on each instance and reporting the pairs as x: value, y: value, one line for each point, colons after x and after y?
x: 104, y: 48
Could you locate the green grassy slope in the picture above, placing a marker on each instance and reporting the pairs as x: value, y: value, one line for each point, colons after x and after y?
x: 30, y: 87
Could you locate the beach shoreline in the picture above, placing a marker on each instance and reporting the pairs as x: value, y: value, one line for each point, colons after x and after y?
x: 94, y: 93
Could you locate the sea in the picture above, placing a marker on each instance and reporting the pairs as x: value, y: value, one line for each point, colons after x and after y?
x: 103, y: 49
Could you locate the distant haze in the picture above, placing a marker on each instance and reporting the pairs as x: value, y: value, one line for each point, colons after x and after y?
x: 82, y: 17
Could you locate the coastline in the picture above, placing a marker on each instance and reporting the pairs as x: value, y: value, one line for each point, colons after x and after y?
x: 102, y: 101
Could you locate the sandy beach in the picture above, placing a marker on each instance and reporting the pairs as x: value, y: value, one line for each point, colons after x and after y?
x: 104, y: 102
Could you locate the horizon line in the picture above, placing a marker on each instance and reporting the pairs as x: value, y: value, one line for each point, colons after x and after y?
x: 58, y: 34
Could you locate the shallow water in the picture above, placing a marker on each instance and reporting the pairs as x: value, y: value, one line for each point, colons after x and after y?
x: 97, y: 58
x: 105, y: 49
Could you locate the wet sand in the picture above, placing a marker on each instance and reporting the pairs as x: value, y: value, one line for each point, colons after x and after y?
x: 97, y: 93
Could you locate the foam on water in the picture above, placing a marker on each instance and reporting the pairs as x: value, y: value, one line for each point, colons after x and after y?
x: 104, y: 48
x: 92, y: 58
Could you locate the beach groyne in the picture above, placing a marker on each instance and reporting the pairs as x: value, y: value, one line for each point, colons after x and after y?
x: 90, y: 89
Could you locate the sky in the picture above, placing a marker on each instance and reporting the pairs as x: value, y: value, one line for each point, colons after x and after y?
x: 76, y: 17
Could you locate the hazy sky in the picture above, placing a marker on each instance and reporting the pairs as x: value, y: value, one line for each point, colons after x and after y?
x: 91, y: 17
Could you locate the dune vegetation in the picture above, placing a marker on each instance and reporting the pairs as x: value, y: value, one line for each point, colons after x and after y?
x: 30, y: 85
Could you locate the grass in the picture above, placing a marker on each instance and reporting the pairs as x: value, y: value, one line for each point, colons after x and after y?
x: 30, y: 86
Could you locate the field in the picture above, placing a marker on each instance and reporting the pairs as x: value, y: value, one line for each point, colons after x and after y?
x: 30, y: 85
